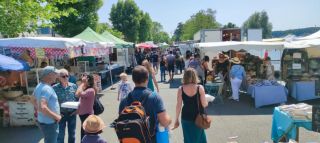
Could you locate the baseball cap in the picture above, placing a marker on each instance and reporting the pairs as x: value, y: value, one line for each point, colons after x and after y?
x: 47, y: 70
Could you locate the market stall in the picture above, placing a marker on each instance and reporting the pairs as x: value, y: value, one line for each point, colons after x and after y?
x: 16, y: 108
x: 300, y: 69
x: 41, y: 51
x: 287, y: 119
x: 265, y: 91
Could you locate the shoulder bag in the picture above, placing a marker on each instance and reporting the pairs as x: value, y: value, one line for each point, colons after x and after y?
x: 202, y: 120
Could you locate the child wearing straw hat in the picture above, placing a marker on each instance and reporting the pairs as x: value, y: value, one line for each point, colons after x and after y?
x: 93, y: 126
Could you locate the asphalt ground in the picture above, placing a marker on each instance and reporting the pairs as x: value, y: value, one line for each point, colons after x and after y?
x: 232, y: 121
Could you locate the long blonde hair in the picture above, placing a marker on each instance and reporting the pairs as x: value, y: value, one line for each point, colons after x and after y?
x: 190, y: 76
x: 148, y: 66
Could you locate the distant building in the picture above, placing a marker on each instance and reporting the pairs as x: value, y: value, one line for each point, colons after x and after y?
x: 254, y: 35
x: 229, y: 34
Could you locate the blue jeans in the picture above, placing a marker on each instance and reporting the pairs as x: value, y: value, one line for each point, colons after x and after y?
x: 163, y: 73
x: 50, y: 132
x: 70, y: 120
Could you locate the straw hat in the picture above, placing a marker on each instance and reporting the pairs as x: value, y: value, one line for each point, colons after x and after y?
x: 93, y: 124
x: 235, y: 60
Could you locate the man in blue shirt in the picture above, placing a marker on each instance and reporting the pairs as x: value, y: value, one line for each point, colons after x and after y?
x: 46, y: 103
x: 152, y: 103
x: 66, y: 92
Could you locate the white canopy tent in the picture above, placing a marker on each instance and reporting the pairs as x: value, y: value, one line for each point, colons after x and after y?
x: 312, y: 43
x: 254, y: 47
x: 315, y: 35
x: 42, y: 42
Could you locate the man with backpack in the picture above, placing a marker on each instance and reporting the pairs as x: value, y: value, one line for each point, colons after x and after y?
x: 133, y: 124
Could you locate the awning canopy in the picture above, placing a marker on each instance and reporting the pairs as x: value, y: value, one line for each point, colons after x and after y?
x: 42, y: 42
x: 303, y: 44
x: 315, y: 35
x: 9, y: 63
x: 93, y: 39
x: 233, y: 45
x: 119, y: 43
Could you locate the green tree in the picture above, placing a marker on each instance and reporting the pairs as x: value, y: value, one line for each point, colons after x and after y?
x: 125, y: 17
x: 201, y: 20
x: 101, y: 27
x: 86, y: 16
x: 161, y: 37
x: 145, y: 28
x: 17, y: 16
x: 259, y: 20
x: 177, y: 35
x: 230, y: 25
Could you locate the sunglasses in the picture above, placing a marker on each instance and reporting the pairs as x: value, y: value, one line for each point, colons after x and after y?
x: 65, y: 76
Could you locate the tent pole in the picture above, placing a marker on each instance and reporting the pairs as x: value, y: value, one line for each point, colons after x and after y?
x: 112, y: 88
x: 26, y: 79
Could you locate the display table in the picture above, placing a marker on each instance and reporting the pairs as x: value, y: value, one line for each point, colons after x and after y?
x: 105, y: 76
x: 4, y: 117
x: 214, y: 89
x: 284, y: 126
x: 267, y: 95
x: 303, y: 90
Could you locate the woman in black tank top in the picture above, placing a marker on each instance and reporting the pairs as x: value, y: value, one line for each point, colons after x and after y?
x: 190, y: 110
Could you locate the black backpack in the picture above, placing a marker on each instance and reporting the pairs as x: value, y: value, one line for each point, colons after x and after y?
x: 133, y: 125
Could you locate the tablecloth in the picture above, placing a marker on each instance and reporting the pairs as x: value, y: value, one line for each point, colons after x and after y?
x: 214, y: 89
x: 303, y: 90
x: 282, y: 122
x: 267, y: 95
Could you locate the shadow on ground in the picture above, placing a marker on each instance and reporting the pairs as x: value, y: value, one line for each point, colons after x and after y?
x: 30, y: 134
x: 175, y: 83
x: 246, y: 106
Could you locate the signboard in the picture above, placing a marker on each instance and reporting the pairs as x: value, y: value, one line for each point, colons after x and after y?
x: 316, y: 118
x: 21, y: 113
x: 40, y: 53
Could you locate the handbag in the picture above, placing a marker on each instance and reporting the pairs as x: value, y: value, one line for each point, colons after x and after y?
x: 97, y: 106
x: 202, y: 120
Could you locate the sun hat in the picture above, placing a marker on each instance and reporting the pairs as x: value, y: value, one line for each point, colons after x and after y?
x: 235, y: 60
x: 47, y: 70
x: 93, y: 124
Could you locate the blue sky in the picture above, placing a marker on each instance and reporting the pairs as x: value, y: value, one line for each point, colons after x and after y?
x: 283, y: 14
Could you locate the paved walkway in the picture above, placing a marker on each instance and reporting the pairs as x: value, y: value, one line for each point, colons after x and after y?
x: 232, y: 121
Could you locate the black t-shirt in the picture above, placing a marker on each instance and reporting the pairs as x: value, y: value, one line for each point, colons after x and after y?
x: 154, y: 58
x: 162, y: 63
x: 223, y: 67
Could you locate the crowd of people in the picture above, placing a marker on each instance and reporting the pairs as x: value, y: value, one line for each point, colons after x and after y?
x: 59, y: 86
x: 54, y: 89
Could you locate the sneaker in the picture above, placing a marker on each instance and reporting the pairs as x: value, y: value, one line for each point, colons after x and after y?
x: 230, y: 97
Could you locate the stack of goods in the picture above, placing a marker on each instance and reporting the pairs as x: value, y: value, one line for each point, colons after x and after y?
x: 267, y: 83
x: 299, y: 111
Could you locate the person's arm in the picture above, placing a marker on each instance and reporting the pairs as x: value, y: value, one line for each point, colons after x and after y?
x: 163, y: 116
x: 79, y: 90
x: 164, y: 119
x: 45, y: 110
x: 155, y: 82
x: 203, y: 99
x: 178, y: 108
x: 118, y: 94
